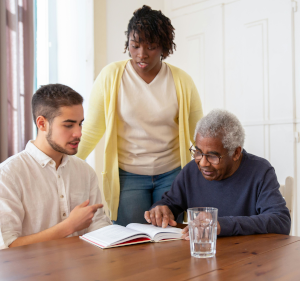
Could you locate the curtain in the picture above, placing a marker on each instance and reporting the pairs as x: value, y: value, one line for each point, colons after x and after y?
x: 16, y: 75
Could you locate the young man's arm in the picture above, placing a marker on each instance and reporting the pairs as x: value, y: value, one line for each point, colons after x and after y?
x: 80, y: 217
x: 172, y: 204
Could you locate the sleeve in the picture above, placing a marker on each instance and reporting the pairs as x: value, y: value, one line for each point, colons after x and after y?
x: 175, y: 198
x: 100, y: 219
x: 94, y: 124
x: 11, y: 211
x: 273, y: 216
x: 196, y: 112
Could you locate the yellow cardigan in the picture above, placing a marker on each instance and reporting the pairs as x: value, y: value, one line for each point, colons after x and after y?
x: 101, y: 118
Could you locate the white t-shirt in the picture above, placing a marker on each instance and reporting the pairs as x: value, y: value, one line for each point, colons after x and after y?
x: 148, y: 137
x: 34, y: 196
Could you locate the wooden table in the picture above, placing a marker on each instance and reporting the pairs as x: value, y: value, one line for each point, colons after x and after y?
x: 259, y: 257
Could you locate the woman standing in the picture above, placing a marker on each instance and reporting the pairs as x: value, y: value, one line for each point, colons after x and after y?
x: 148, y: 110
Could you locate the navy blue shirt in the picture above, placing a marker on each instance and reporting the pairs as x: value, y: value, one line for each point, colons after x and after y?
x: 248, y: 202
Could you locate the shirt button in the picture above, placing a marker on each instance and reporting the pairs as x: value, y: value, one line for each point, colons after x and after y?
x: 59, y: 176
x: 43, y: 165
x: 64, y: 214
x: 61, y: 196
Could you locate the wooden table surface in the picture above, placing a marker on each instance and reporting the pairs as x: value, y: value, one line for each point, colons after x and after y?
x: 259, y: 257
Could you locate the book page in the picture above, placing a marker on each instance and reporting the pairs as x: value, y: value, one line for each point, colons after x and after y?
x: 113, y: 234
x: 155, y: 232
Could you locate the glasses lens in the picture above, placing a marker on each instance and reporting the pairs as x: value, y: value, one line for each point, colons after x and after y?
x: 197, y: 154
x: 213, y: 159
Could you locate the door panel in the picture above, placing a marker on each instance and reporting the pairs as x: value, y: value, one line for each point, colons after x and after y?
x: 240, y: 56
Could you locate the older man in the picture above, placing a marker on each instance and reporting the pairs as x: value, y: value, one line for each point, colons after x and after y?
x: 242, y: 186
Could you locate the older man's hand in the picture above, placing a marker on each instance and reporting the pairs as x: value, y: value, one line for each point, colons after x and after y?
x: 201, y: 217
x: 160, y: 216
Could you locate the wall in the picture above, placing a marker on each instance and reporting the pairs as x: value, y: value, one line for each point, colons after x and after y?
x: 65, y: 45
x: 75, y: 42
x: 242, y: 57
x: 296, y: 100
x: 100, y: 60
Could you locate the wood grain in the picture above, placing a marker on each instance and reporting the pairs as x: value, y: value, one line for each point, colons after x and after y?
x: 74, y: 259
x: 278, y: 264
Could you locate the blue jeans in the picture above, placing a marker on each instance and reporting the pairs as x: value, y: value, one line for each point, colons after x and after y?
x: 138, y: 193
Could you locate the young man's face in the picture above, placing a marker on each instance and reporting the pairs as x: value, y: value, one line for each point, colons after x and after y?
x: 65, y: 131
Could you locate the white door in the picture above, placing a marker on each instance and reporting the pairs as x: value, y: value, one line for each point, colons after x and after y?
x: 240, y: 55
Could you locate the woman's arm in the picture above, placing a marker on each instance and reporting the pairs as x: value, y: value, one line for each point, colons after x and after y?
x: 94, y: 123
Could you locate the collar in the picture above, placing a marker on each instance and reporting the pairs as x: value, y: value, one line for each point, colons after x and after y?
x: 41, y: 158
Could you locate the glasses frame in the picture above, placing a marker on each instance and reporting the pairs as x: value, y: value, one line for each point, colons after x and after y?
x: 203, y: 154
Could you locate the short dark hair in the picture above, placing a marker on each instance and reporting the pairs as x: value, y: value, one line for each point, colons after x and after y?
x: 155, y: 27
x: 48, y: 99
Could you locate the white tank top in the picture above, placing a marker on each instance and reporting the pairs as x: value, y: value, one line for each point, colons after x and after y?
x: 148, y: 137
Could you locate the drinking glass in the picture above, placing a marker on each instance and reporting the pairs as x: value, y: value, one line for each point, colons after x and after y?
x: 203, y: 222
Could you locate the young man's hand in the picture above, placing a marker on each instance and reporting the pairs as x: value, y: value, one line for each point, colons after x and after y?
x: 81, y: 216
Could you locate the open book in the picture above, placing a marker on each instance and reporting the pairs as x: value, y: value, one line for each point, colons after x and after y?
x: 116, y: 235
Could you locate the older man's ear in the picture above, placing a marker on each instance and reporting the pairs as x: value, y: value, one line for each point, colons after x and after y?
x: 237, y: 154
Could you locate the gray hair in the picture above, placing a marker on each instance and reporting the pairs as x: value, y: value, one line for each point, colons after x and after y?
x: 221, y: 123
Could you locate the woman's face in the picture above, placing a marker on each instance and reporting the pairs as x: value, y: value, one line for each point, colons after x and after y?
x: 145, y: 56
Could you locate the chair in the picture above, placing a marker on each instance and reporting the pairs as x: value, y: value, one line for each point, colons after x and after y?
x: 287, y: 192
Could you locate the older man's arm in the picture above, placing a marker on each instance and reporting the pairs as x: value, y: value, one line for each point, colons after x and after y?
x: 273, y: 215
x: 172, y: 204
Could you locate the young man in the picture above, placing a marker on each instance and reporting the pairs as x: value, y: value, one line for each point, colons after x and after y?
x: 45, y: 193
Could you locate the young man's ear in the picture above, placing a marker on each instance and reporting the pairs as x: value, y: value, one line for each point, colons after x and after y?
x: 41, y: 123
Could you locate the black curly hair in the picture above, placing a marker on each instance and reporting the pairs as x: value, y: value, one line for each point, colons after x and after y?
x: 48, y: 99
x: 155, y: 27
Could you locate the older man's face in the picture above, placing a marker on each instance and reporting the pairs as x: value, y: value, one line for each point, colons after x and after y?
x: 227, y: 165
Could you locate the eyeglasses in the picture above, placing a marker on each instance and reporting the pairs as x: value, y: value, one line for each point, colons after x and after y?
x: 198, y: 155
